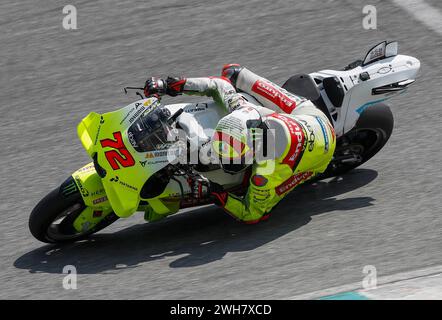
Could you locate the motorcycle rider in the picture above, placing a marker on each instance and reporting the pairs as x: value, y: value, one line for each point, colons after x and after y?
x: 303, y: 138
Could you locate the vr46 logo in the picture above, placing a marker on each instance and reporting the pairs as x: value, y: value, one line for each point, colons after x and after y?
x: 119, y: 156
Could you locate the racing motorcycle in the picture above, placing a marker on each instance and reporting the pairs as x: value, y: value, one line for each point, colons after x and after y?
x: 131, y: 168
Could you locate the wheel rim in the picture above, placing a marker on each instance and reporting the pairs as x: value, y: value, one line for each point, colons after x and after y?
x: 361, y: 145
x: 61, y: 228
x: 366, y: 137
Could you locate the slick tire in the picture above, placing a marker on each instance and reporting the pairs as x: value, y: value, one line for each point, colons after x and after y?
x: 56, y: 206
x: 370, y: 134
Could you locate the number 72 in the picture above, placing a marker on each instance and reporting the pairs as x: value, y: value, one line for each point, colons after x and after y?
x: 120, y: 156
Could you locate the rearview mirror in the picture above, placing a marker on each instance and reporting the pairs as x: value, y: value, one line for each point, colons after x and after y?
x: 391, y: 49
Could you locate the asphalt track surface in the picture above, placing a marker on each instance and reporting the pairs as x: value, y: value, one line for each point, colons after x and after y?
x: 386, y: 214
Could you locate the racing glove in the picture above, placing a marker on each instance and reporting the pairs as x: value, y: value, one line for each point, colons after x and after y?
x: 172, y: 86
x: 154, y: 87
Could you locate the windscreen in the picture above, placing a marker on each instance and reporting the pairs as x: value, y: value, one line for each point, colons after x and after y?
x: 149, y: 132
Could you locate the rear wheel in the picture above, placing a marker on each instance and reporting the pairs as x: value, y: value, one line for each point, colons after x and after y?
x: 53, y: 217
x: 368, y: 137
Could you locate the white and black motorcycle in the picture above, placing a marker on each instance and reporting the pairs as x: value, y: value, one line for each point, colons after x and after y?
x: 130, y: 174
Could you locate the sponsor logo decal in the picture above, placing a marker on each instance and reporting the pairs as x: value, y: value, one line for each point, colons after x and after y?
x: 98, y: 130
x: 297, y: 140
x: 198, y: 107
x: 139, y: 111
x: 163, y: 153
x: 376, y: 53
x: 69, y: 189
x: 143, y: 163
x: 132, y: 141
x: 97, y: 192
x: 117, y: 180
x: 235, y: 102
x: 83, y: 190
x: 332, y: 130
x: 100, y: 200
x: 292, y: 182
x: 324, y: 132
x: 136, y: 114
x: 311, y: 135
x: 89, y: 167
x: 275, y: 95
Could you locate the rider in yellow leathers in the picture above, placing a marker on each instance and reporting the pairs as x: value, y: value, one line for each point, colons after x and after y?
x: 298, y: 137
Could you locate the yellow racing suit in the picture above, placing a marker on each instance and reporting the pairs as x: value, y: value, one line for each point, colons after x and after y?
x: 305, y: 141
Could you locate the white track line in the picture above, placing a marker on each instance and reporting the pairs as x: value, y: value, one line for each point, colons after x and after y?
x: 423, y: 12
x: 421, y: 288
x: 382, y: 280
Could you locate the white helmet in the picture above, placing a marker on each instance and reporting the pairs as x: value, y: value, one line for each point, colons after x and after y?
x: 233, y: 141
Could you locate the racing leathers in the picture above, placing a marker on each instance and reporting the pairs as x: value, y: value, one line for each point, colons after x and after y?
x: 304, y: 139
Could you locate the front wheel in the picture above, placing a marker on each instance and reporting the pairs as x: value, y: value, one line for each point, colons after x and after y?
x: 368, y: 137
x: 52, y: 219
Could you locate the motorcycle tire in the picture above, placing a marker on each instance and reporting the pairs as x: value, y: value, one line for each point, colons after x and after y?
x: 55, y: 206
x: 370, y: 134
